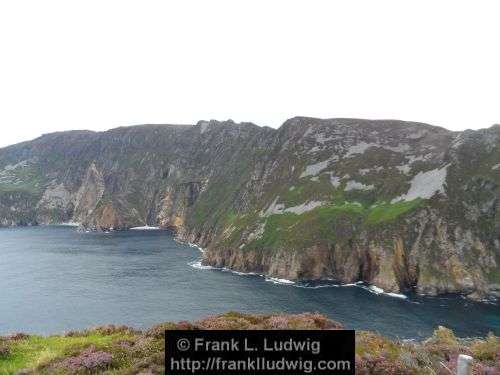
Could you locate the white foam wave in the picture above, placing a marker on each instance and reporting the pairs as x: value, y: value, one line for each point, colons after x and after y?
x: 376, y: 289
x: 198, y: 265
x: 379, y: 291
x: 276, y: 280
x: 396, y: 295
x: 69, y: 224
x: 202, y: 250
x: 352, y: 284
x: 240, y: 273
x: 145, y: 227
x: 371, y: 288
x: 319, y: 286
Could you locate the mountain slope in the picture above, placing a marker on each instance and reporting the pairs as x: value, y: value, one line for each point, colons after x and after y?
x: 402, y: 205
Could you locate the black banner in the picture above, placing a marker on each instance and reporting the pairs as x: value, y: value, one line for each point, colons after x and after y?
x: 260, y: 352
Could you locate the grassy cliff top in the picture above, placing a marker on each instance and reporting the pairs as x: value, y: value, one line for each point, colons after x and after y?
x: 123, y: 350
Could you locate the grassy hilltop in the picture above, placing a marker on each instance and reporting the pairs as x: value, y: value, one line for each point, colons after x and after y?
x: 123, y: 350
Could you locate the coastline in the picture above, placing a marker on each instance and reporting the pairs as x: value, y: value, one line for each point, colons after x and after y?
x: 322, y: 283
x: 305, y: 284
x: 299, y: 284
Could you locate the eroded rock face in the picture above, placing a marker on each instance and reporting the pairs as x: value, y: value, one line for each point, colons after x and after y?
x: 405, y: 206
x: 89, y: 195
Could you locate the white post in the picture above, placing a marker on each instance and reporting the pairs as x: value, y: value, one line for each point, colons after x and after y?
x: 464, y: 365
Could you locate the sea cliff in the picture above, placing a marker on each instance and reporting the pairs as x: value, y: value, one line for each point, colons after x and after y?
x: 401, y: 205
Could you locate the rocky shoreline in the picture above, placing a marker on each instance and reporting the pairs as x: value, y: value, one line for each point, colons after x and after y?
x: 249, y: 267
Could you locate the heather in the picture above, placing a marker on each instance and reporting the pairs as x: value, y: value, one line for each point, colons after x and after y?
x: 123, y: 350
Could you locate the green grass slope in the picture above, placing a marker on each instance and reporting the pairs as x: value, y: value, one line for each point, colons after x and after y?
x: 122, y: 350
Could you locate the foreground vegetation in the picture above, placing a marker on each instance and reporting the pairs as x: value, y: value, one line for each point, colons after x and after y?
x: 123, y: 350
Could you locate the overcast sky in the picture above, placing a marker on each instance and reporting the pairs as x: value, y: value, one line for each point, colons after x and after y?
x: 102, y: 64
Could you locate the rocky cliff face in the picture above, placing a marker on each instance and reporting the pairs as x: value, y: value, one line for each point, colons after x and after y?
x: 405, y: 206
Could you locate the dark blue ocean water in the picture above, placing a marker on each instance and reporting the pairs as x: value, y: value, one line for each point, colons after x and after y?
x: 54, y: 279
